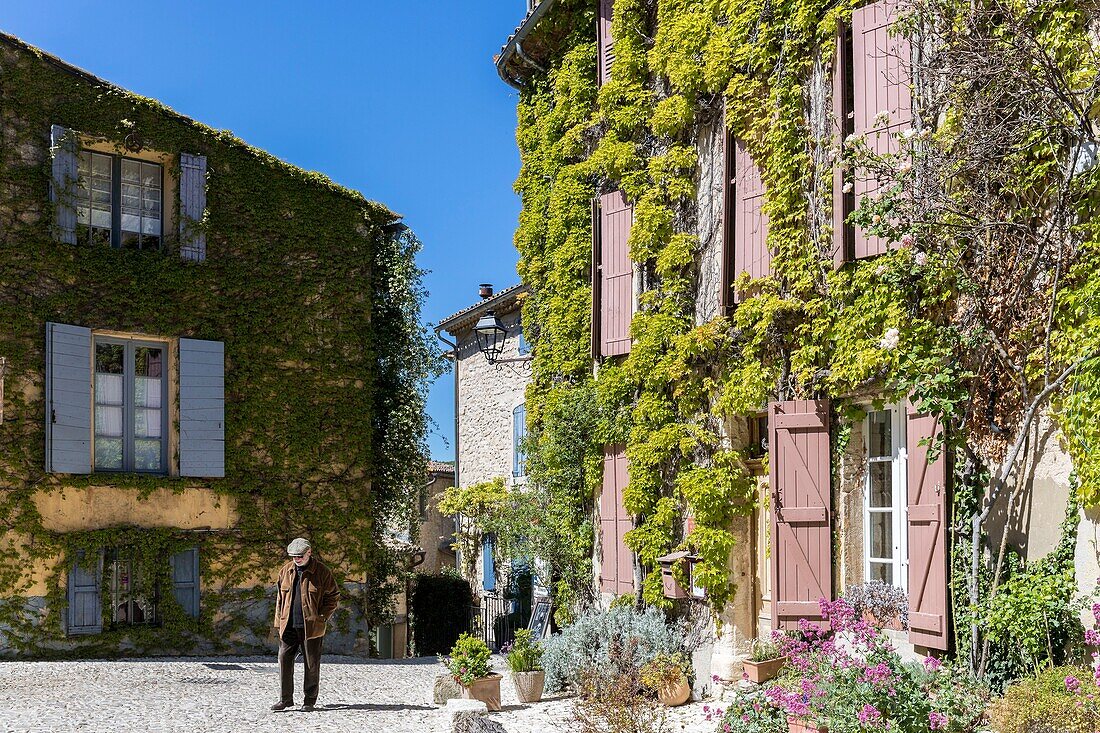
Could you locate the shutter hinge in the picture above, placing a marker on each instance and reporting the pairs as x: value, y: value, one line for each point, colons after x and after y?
x: 53, y: 415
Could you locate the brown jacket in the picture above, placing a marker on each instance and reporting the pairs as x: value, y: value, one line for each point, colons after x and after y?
x: 320, y: 597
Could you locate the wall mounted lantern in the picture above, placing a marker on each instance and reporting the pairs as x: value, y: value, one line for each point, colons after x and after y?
x: 490, y: 334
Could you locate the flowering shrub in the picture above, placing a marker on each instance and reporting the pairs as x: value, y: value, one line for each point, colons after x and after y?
x: 469, y: 660
x: 1061, y: 698
x: 879, y: 600
x: 850, y: 678
x: 748, y: 713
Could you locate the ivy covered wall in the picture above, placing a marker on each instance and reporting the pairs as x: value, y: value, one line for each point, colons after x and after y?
x: 901, y: 324
x: 316, y: 298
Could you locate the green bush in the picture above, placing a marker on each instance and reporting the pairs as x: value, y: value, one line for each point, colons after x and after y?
x: 1045, y: 704
x: 525, y: 654
x: 636, y: 637
x: 469, y: 659
x: 440, y: 610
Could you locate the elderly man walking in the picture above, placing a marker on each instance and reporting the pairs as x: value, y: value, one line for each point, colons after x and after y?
x: 307, y: 597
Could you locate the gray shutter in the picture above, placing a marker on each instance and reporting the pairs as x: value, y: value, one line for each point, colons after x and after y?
x: 68, y: 399
x: 202, y: 408
x: 85, y: 614
x: 185, y: 580
x: 64, y: 149
x: 192, y: 206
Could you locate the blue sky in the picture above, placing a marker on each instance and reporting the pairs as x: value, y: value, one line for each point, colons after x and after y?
x: 396, y: 98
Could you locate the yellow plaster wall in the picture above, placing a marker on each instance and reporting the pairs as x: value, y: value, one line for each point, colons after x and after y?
x: 99, y: 507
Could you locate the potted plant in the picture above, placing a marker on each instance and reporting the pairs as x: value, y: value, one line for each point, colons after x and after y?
x: 469, y: 665
x: 525, y: 661
x: 765, y: 661
x: 667, y: 675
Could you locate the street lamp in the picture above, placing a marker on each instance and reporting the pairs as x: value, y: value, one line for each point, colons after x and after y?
x: 490, y: 334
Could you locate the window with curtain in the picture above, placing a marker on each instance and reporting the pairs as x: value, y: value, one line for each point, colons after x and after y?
x: 130, y: 411
x: 884, y: 525
x: 119, y: 201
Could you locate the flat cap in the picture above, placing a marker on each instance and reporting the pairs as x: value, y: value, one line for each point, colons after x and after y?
x: 298, y: 546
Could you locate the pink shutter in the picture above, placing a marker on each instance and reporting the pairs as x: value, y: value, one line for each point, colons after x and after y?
x: 798, y: 448
x: 726, y: 297
x: 605, y: 42
x: 880, y: 72
x: 842, y: 105
x: 927, y: 486
x: 750, y: 225
x: 616, y: 559
x: 616, y: 274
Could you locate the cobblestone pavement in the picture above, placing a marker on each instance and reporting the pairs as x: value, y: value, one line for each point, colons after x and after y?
x: 235, y: 694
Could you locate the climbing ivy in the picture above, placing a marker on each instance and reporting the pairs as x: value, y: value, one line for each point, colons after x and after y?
x: 891, y: 326
x: 317, y: 302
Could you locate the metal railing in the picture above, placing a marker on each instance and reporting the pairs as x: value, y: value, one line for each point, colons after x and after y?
x: 495, y: 621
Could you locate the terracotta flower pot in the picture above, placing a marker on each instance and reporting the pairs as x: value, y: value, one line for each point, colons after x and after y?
x: 760, y: 672
x: 529, y: 685
x: 797, y: 724
x: 485, y: 689
x: 675, y: 694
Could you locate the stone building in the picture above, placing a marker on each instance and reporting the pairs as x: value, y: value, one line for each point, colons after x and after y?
x: 196, y: 368
x: 490, y: 418
x: 825, y: 519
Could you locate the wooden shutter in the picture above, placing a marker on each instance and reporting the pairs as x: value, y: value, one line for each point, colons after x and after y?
x: 68, y: 399
x: 605, y: 41
x: 192, y: 206
x: 616, y: 559
x: 616, y: 290
x: 488, y: 564
x: 185, y: 580
x: 64, y: 149
x: 798, y: 449
x: 750, y: 225
x: 85, y: 613
x: 202, y: 408
x: 927, y: 526
x: 880, y: 69
x: 843, y: 203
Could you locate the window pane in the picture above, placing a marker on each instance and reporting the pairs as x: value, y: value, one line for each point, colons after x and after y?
x: 101, y: 219
x: 150, y: 175
x: 131, y: 172
x: 881, y: 483
x: 147, y: 362
x: 101, y: 165
x: 108, y: 453
x: 147, y: 392
x: 882, y: 571
x: 108, y: 421
x: 882, y: 534
x: 109, y: 358
x: 879, y: 428
x: 147, y: 423
x: 131, y: 240
x: 147, y: 453
x: 150, y: 225
x: 131, y: 222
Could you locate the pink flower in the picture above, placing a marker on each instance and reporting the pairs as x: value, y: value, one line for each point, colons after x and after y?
x: 937, y: 720
x: 1073, y: 685
x: 932, y: 664
x: 906, y: 240
x: 1092, y: 637
x: 869, y: 715
x: 1096, y: 611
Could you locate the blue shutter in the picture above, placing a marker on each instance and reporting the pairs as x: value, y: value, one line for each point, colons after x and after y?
x: 202, y: 408
x: 519, y: 432
x: 488, y: 569
x: 192, y: 206
x: 185, y: 580
x: 68, y: 399
x: 64, y: 151
x: 85, y: 615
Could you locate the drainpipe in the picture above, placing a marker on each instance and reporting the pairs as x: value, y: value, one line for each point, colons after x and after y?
x: 454, y: 350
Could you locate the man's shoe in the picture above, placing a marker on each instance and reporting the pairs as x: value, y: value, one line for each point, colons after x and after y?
x: 281, y: 706
x: 308, y: 707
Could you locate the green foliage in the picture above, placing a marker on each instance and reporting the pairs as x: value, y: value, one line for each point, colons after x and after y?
x: 526, y: 653
x: 1042, y: 702
x: 439, y: 611
x: 326, y: 359
x: 469, y: 660
x: 665, y: 671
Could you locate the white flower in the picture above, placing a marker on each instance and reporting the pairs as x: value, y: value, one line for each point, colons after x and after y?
x: 890, y: 339
x: 851, y: 139
x: 907, y: 240
x: 908, y: 133
x: 847, y: 187
x: 880, y: 270
x: 882, y: 118
x: 905, y: 166
x: 126, y: 123
x: 920, y: 258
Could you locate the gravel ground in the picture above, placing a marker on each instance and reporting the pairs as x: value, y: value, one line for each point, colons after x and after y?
x: 235, y: 694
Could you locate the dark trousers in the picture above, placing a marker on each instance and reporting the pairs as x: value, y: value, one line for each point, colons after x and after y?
x: 292, y: 640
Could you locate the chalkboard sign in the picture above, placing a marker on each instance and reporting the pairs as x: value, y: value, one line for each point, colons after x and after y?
x: 540, y: 619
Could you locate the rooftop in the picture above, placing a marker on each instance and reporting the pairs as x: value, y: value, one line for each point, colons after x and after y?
x: 505, y: 301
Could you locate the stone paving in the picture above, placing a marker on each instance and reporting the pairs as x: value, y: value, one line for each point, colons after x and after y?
x: 235, y: 694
